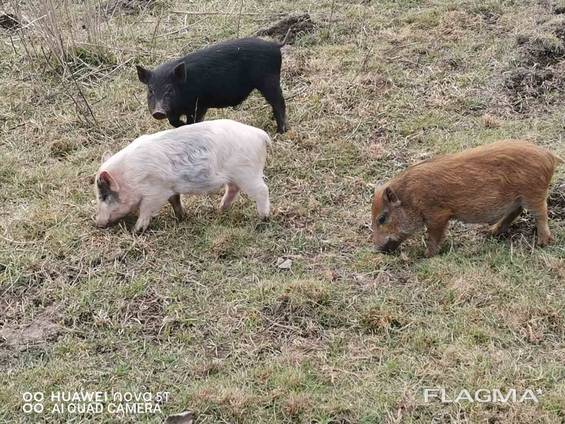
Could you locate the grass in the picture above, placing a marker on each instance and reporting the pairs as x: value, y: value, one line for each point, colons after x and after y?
x: 200, y: 308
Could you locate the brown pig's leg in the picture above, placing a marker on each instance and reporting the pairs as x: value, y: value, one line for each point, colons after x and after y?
x: 436, y: 234
x: 540, y: 212
x: 502, y: 225
x: 175, y: 202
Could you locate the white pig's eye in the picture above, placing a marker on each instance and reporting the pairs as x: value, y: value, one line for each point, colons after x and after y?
x: 382, y: 219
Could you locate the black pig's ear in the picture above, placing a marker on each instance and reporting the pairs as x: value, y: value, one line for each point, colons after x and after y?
x: 391, y: 198
x: 180, y: 72
x: 143, y: 74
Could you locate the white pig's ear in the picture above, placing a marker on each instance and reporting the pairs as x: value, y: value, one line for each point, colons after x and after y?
x: 143, y: 74
x: 391, y: 197
x: 106, y: 155
x: 180, y: 72
x: 108, y: 180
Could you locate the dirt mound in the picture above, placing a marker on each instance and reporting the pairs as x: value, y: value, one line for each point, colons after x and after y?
x: 527, y: 82
x: 285, y: 317
x: 543, y: 49
x: 539, y: 66
x: 146, y: 312
x: 128, y: 7
x: 9, y: 21
x: 304, y: 308
x: 294, y: 25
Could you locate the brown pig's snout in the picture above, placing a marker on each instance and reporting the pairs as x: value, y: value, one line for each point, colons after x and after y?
x: 389, y: 246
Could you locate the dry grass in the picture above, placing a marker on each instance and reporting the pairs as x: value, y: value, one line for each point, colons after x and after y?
x: 201, y: 308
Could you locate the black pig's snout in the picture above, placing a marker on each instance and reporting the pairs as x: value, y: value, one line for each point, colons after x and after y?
x: 159, y: 114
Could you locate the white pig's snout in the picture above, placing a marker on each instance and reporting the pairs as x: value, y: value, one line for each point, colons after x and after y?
x: 101, y: 223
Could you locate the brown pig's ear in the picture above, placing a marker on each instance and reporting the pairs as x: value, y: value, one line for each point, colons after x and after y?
x: 143, y: 74
x: 108, y: 180
x: 391, y: 198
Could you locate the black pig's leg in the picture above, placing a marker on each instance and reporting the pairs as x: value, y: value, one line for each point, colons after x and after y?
x: 200, y: 113
x: 271, y: 90
x: 196, y: 115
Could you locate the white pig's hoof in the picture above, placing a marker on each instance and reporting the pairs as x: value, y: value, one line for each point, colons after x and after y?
x: 140, y: 229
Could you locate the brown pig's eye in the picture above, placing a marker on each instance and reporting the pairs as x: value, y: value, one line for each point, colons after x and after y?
x: 382, y: 219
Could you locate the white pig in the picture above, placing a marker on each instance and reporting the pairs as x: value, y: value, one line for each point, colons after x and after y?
x: 191, y: 159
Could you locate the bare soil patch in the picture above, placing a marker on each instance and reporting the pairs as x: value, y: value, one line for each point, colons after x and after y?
x: 40, y: 331
x: 294, y: 25
x: 128, y: 7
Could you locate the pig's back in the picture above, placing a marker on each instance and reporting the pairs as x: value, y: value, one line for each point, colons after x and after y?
x: 503, y: 171
x: 227, y: 72
x: 205, y: 156
x: 503, y: 158
x: 247, y: 52
x: 237, y: 144
x: 220, y: 136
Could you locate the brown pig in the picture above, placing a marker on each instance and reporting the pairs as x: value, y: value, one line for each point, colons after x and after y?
x: 488, y: 184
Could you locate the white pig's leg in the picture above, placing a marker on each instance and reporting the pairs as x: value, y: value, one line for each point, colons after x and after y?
x: 149, y: 206
x: 230, y: 195
x: 258, y: 191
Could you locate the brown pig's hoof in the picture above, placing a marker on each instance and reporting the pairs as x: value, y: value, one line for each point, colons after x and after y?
x: 545, y: 240
x: 432, y: 249
x: 494, y: 230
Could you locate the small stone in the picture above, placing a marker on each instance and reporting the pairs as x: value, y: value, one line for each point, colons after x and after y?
x: 182, y: 418
x: 283, y: 263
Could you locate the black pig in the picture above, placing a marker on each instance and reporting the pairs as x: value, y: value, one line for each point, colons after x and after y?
x: 218, y: 76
